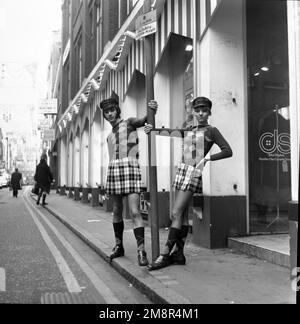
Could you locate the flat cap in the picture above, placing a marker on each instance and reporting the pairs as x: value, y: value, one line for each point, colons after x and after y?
x: 108, y: 103
x: 202, y: 102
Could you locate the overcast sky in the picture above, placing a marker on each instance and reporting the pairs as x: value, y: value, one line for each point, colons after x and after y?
x: 26, y: 31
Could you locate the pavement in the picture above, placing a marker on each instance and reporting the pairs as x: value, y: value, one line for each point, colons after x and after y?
x: 222, y: 276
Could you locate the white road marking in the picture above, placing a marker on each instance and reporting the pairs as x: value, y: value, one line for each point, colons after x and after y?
x: 99, y: 284
x: 93, y: 221
x: 64, y: 269
x: 2, y: 280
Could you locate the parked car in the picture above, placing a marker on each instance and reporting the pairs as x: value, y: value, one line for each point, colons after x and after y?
x: 3, y: 181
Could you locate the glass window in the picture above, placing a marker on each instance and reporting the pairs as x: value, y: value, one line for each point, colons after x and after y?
x: 269, y: 118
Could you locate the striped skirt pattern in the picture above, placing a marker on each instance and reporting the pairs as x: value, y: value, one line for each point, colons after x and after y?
x: 123, y: 177
x: 188, y: 178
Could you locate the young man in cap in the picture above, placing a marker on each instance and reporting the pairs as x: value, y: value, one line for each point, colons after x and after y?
x: 124, y: 176
x: 198, y: 140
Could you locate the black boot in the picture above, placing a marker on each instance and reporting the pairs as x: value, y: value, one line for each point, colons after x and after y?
x: 39, y: 198
x: 44, y: 200
x: 142, y: 259
x: 161, y: 262
x: 117, y: 252
x: 178, y: 257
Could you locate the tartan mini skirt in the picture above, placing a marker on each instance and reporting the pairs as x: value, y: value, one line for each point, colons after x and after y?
x: 188, y: 178
x: 123, y: 177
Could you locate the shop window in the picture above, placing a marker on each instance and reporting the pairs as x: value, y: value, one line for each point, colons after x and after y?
x: 269, y: 118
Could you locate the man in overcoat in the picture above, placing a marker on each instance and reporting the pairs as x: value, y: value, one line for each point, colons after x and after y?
x: 15, y: 182
x: 43, y: 176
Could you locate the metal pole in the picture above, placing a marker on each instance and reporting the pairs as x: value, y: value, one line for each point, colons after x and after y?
x: 153, y: 210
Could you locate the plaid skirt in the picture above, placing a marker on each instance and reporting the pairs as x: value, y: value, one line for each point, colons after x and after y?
x: 123, y: 177
x: 188, y: 178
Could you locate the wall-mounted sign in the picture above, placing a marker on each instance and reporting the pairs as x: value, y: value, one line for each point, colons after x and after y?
x: 49, y: 135
x: 44, y: 124
x: 146, y: 24
x: 48, y: 106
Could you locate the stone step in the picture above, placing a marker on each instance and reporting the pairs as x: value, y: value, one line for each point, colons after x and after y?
x: 272, y: 248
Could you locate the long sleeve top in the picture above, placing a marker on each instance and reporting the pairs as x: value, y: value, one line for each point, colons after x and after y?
x: 199, y: 140
x: 123, y: 141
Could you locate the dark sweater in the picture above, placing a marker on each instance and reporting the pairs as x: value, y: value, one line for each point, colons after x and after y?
x: 193, y: 138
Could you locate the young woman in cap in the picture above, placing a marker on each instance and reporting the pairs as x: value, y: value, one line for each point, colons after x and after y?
x: 124, y: 176
x: 198, y: 141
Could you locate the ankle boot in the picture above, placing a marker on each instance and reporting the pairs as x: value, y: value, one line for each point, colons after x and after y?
x: 117, y: 252
x: 142, y: 259
x: 178, y: 257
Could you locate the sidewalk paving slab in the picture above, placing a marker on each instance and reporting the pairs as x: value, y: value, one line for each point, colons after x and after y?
x: 220, y: 276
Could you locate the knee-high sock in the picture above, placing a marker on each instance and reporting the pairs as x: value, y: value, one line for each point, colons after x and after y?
x: 139, y: 234
x: 182, y: 237
x: 172, y: 238
x: 119, y: 229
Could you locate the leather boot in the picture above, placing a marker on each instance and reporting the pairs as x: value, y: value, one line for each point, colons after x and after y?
x: 118, y: 251
x: 161, y: 262
x: 142, y: 259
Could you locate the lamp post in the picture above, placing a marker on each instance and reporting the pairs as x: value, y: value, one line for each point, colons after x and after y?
x: 153, y: 212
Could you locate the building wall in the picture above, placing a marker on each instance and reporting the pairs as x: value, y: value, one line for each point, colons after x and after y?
x: 223, y: 77
x: 217, y: 30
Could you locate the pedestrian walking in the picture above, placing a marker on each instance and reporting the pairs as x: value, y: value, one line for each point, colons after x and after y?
x: 15, y: 182
x: 43, y: 177
x: 124, y: 176
x: 198, y: 138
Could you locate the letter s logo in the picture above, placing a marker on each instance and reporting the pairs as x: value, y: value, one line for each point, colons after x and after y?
x: 284, y: 143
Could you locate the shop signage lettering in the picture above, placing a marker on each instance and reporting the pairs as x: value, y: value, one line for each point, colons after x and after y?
x: 146, y: 24
x: 49, y: 135
x: 48, y: 106
x: 271, y: 143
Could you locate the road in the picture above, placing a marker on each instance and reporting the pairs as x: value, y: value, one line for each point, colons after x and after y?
x: 41, y: 261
